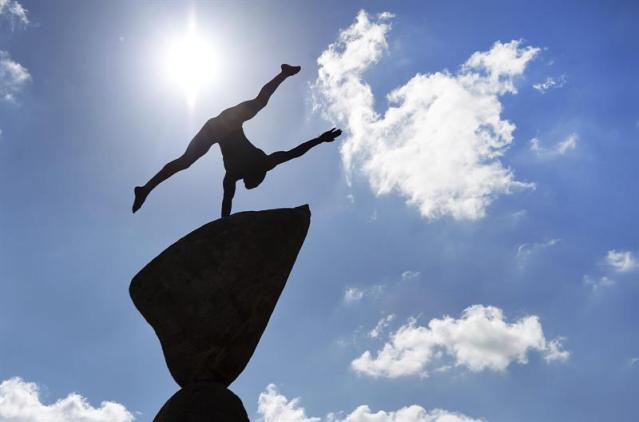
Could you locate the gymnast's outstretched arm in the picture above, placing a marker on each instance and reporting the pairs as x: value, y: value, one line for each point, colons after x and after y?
x: 280, y: 157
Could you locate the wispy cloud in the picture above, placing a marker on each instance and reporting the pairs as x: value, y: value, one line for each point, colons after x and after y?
x: 13, y: 77
x: 560, y: 148
x: 439, y: 142
x: 481, y: 339
x: 14, y: 12
x: 381, y: 326
x: 526, y: 250
x: 276, y: 407
x: 355, y: 294
x: 20, y: 402
x: 550, y: 83
x: 409, y: 275
x: 622, y: 261
x: 615, y: 264
x: 598, y: 282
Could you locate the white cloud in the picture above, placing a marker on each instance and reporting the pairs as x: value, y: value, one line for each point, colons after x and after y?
x: 20, y: 402
x: 598, y: 282
x: 526, y: 250
x: 616, y: 261
x: 621, y: 261
x: 14, y: 11
x: 13, y: 77
x: 555, y: 352
x: 410, y: 275
x: 560, y: 148
x: 439, y: 142
x: 373, y: 216
x: 412, y: 413
x: 550, y: 83
x: 382, y: 324
x: 481, y: 339
x: 355, y: 294
x: 275, y: 407
x: 567, y: 144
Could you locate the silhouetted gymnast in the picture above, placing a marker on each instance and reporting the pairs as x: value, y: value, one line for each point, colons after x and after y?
x: 242, y: 159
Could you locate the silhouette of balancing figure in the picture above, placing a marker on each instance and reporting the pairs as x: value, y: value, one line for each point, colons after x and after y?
x: 242, y: 159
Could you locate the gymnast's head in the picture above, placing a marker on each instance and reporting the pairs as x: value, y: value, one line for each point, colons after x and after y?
x: 254, y: 179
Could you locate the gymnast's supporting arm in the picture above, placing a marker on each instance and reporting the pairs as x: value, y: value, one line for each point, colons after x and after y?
x: 229, y: 192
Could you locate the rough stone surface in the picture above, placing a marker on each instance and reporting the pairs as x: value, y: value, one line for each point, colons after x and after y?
x: 201, y: 402
x: 209, y: 296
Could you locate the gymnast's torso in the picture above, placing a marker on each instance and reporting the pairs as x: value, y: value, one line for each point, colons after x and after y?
x: 239, y: 154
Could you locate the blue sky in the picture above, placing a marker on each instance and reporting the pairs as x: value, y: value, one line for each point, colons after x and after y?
x: 485, y: 220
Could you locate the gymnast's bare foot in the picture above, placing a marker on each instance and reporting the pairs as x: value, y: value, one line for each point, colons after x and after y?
x: 289, y: 70
x: 140, y: 196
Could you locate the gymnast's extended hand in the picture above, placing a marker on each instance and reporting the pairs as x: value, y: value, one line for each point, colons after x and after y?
x: 330, y: 135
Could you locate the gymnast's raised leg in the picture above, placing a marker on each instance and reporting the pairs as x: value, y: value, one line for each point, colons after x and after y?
x: 248, y: 109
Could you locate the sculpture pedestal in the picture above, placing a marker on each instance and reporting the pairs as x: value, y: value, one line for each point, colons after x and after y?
x: 209, y: 297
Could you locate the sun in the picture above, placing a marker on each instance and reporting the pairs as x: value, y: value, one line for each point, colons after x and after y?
x: 190, y: 62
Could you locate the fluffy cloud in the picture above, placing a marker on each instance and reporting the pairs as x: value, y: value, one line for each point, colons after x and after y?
x: 550, y: 83
x: 13, y: 77
x: 13, y: 11
x: 439, y: 142
x: 20, y: 402
x: 621, y: 261
x: 275, y: 407
x: 560, y: 148
x: 412, y: 413
x: 481, y: 339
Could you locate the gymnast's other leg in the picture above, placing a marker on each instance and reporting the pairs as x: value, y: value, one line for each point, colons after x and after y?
x: 248, y: 109
x: 198, y: 146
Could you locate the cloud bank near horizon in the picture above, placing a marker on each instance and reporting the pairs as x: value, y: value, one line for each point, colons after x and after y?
x: 276, y: 407
x: 20, y: 402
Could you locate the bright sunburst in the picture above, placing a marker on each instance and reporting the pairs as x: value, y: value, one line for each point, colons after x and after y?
x: 190, y: 62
